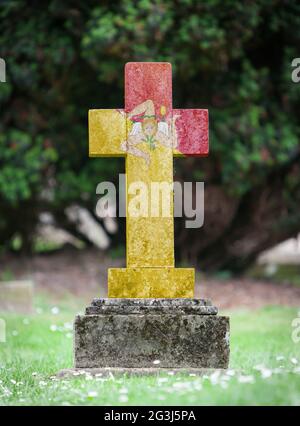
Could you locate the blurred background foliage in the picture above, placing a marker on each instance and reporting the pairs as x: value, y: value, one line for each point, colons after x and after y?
x: 233, y: 58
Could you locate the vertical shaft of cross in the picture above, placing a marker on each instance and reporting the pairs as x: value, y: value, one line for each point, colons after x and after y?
x: 150, y: 240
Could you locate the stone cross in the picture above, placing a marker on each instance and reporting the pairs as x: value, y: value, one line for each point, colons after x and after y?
x: 149, y: 133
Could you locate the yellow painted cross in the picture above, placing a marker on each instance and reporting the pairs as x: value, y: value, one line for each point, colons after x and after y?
x: 148, y: 133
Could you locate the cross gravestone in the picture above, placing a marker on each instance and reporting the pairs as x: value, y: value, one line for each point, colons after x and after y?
x: 150, y: 319
x: 148, y: 133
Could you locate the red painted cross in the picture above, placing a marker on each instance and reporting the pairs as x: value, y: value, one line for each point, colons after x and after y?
x: 152, y: 80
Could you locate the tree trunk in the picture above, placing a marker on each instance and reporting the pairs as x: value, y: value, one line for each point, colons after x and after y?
x: 236, y: 231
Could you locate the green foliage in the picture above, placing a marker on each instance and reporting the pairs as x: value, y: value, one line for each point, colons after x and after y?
x: 231, y: 57
x: 24, y: 160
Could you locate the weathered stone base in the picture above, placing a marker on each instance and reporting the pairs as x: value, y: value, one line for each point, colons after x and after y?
x: 151, y: 333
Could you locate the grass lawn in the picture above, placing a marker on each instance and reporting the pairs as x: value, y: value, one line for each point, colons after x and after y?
x: 264, y: 366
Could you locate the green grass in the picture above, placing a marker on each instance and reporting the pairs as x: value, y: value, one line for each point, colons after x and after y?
x: 39, y: 346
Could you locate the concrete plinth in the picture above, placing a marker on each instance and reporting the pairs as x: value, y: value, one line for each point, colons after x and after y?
x: 151, y: 333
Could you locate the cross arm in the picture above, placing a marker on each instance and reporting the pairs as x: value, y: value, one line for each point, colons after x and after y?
x: 107, y: 131
x: 192, y: 132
